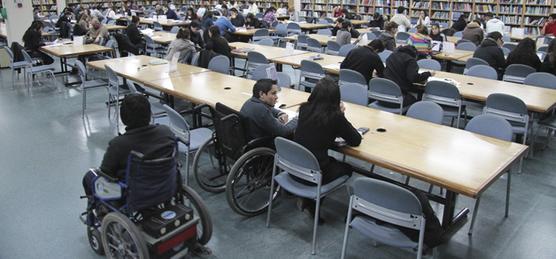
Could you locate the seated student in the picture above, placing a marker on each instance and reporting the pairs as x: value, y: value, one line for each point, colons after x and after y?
x: 421, y: 41
x: 283, y: 10
x: 64, y: 24
x: 549, y: 27
x: 525, y: 53
x: 32, y: 42
x: 337, y: 26
x: 190, y: 15
x: 263, y: 119
x: 491, y: 52
x: 549, y: 62
x: 97, y: 32
x: 269, y: 16
x: 365, y: 59
x: 207, y: 20
x: 82, y: 26
x: 460, y: 24
x: 181, y: 44
x: 377, y: 21
x: 217, y: 43
x: 473, y: 32
x: 171, y: 13
x: 225, y: 26
x: 493, y: 24
x: 236, y: 18
x: 135, y: 36
x: 402, y: 68
x: 435, y: 33
x: 321, y: 121
x: 196, y: 36
x: 343, y: 36
x: 252, y: 22
x: 154, y: 141
x: 388, y: 36
x: 111, y: 13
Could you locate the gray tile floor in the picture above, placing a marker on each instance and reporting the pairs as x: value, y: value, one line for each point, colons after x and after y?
x: 46, y: 147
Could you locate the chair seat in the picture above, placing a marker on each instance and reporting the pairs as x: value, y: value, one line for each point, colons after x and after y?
x: 19, y: 64
x: 307, y: 191
x: 378, y: 106
x: 385, y: 234
x: 39, y: 69
x: 549, y: 122
x: 94, y: 83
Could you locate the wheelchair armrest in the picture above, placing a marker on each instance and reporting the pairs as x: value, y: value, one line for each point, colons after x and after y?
x: 199, y: 107
x: 103, y: 174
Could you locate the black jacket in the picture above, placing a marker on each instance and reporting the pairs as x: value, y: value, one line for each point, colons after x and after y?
x: 402, y: 68
x: 219, y: 45
x: 239, y: 21
x: 388, y: 40
x: 363, y: 60
x: 459, y: 25
x: 546, y: 66
x: 377, y: 23
x: 529, y: 59
x: 134, y: 34
x: 171, y: 14
x: 197, y: 39
x: 153, y: 141
x: 32, y: 40
x: 490, y: 52
x: 263, y: 120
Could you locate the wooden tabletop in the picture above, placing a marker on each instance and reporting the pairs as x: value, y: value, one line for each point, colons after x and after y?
x: 537, y: 99
x: 312, y: 26
x: 114, y: 27
x: 71, y: 50
x: 212, y: 87
x: 359, y: 22
x: 166, y: 23
x: 163, y: 37
x: 457, y: 55
x: 241, y: 31
x: 455, y: 159
x: 330, y: 63
x: 322, y: 39
x: 141, y: 70
x: 240, y: 49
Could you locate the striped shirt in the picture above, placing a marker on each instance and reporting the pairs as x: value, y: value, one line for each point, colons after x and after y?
x: 421, y: 42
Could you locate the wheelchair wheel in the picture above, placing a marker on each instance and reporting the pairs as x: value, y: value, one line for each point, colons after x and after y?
x: 191, y: 199
x: 248, y: 183
x: 210, y: 168
x: 95, y: 240
x: 121, y: 238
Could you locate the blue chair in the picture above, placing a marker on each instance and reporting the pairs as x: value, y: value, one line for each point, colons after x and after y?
x: 326, y: 32
x: 448, y: 97
x: 541, y: 79
x: 483, y: 71
x: 153, y: 49
x: 458, y: 34
x: 402, y: 37
x: 260, y: 72
x: 254, y: 59
x: 220, y: 64
x: 313, y: 45
x: 301, y: 41
x: 190, y: 140
x: 292, y: 159
x: 265, y: 42
x: 332, y: 47
x: 429, y: 64
x: 495, y: 127
x: 376, y: 200
x: 114, y: 93
x: 345, y: 49
x: 280, y: 33
x: 351, y: 76
x: 426, y: 111
x: 509, y: 45
x: 31, y: 70
x: 353, y: 87
x: 14, y: 65
x: 87, y: 84
x: 157, y: 26
x: 469, y: 46
x: 542, y: 48
x: 284, y: 80
x: 517, y: 73
x: 294, y: 28
x: 261, y: 34
x: 473, y: 62
x: 384, y: 55
x: 510, y: 108
x: 371, y: 36
x: 382, y: 89
x: 309, y: 73
x: 174, y: 29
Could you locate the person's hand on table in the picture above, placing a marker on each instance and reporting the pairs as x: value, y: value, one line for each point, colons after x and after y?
x: 283, y: 118
x: 342, y: 107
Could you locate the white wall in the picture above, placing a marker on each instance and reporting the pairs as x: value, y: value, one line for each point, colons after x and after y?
x: 19, y: 19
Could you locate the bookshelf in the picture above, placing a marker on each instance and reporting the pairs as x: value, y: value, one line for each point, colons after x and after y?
x: 46, y: 7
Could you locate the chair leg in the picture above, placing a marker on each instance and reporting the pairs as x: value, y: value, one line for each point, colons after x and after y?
x: 13, y: 82
x: 84, y: 102
x: 270, y: 198
x: 475, y: 209
x: 508, y: 193
x: 346, y: 231
x: 315, y: 225
x: 187, y: 154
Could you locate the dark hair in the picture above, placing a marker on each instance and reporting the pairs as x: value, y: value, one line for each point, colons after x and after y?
x: 195, y: 24
x: 552, y: 52
x: 437, y: 26
x: 408, y: 49
x: 262, y: 85
x: 377, y: 45
x: 135, y: 111
x: 214, y: 31
x: 401, y: 9
x: 525, y: 50
x: 495, y: 35
x: 390, y: 26
x: 423, y: 30
x: 135, y: 19
x: 323, y: 104
x: 184, y: 34
x: 346, y: 24
x: 553, y: 16
x: 340, y: 20
x: 234, y: 10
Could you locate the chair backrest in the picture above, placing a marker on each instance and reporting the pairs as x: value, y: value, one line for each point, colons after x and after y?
x: 113, y: 81
x: 220, y: 64
x: 332, y: 47
x: 371, y: 36
x: 293, y: 28
x: 542, y: 48
x: 325, y: 31
x: 174, y: 29
x: 384, y: 55
x: 266, y: 42
x: 475, y: 61
x: 281, y: 30
x: 302, y: 40
x: 27, y: 58
x: 541, y: 79
x: 313, y: 45
x: 284, y: 80
x: 402, y: 36
x: 385, y: 90
x: 157, y: 26
x: 345, y: 49
x: 351, y: 76
x: 260, y: 34
x: 507, y: 106
x: 82, y: 71
x: 519, y: 71
x: 427, y: 111
x: 150, y: 182
x: 386, y: 202
x: 296, y: 160
x: 354, y: 93
x: 429, y: 64
x: 490, y: 125
x: 509, y: 45
x: 469, y: 46
x: 310, y: 72
x: 458, y: 34
x: 177, y: 124
x: 230, y: 130
x: 483, y: 71
x: 260, y: 71
x: 442, y: 93
x: 113, y: 44
x: 255, y: 58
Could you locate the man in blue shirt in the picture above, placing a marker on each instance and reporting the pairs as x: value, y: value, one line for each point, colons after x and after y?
x: 225, y: 27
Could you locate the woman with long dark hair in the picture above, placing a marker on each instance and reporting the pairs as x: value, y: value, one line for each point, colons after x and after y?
x: 321, y: 121
x: 32, y: 40
x: 549, y: 63
x: 525, y: 53
x: 191, y: 15
x: 217, y: 43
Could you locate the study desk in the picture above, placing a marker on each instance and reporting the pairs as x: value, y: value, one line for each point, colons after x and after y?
x: 330, y: 63
x: 241, y: 31
x: 164, y: 23
x: 66, y: 51
x: 311, y: 26
x: 114, y: 27
x: 322, y: 39
x: 163, y: 37
x: 141, y: 70
x: 457, y: 55
x: 240, y: 49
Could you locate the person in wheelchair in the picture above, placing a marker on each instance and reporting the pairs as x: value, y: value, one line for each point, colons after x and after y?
x: 263, y: 120
x: 153, y: 141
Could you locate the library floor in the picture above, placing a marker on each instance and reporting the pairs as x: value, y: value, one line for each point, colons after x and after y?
x: 46, y: 147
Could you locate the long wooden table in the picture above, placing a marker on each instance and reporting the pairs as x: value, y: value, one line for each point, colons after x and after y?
x: 240, y: 49
x: 163, y: 37
x: 66, y: 51
x: 322, y: 39
x: 330, y: 63
x: 240, y: 31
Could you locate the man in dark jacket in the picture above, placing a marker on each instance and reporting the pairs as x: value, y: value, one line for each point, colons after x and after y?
x: 402, y: 68
x: 236, y: 18
x: 263, y: 119
x: 365, y: 60
x: 196, y: 36
x: 133, y: 34
x: 490, y: 51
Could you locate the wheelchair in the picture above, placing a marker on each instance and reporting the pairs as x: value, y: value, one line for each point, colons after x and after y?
x: 150, y: 214
x: 244, y: 167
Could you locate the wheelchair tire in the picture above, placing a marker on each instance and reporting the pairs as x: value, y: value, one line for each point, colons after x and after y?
x: 248, y: 184
x: 214, y: 183
x: 95, y: 240
x: 121, y: 238
x: 192, y: 199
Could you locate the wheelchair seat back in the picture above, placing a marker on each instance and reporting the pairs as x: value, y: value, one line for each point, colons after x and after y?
x: 230, y: 131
